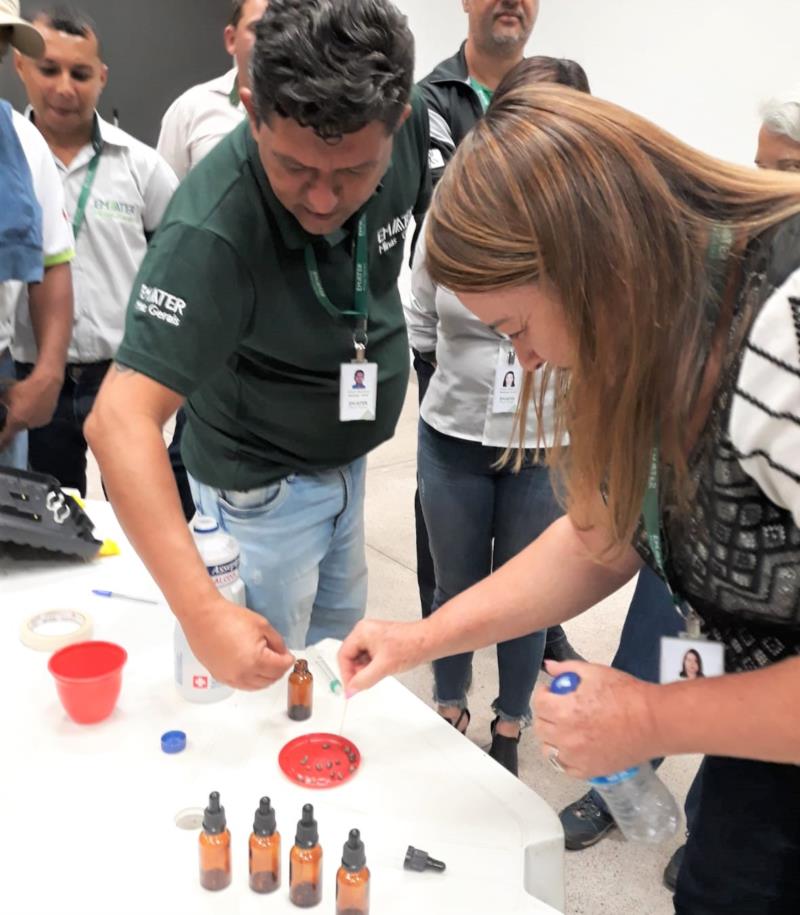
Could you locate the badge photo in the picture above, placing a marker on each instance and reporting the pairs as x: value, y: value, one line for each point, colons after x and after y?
x: 507, y: 382
x: 690, y: 659
x: 358, y: 391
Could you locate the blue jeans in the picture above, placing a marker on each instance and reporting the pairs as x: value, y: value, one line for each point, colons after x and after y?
x: 303, y: 550
x: 15, y: 454
x: 651, y: 615
x: 478, y: 517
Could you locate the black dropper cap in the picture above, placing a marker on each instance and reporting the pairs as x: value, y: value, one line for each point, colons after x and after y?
x: 354, y: 856
x: 264, y: 822
x: 307, y: 834
x: 418, y: 860
x: 214, y: 816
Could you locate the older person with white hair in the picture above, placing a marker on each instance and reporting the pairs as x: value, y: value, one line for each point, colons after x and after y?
x: 779, y: 137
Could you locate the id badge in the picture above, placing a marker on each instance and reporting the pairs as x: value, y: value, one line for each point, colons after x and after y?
x: 358, y: 391
x: 690, y: 656
x: 507, y: 382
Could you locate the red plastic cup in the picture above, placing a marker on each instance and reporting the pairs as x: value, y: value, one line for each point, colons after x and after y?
x: 88, y: 679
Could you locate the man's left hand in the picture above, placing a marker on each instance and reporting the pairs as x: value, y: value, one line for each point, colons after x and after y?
x: 606, y: 725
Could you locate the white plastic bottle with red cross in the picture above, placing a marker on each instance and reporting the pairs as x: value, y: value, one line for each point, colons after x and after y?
x: 220, y: 553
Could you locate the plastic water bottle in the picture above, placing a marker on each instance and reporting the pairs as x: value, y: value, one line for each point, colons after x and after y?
x: 639, y: 801
x: 220, y: 553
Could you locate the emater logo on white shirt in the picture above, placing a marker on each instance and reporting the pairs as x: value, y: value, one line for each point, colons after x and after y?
x: 394, y: 231
x: 160, y: 304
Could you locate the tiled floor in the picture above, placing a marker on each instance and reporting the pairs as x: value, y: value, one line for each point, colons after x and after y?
x: 614, y: 877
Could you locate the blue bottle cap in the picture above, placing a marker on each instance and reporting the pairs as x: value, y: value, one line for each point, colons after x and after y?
x: 173, y: 741
x: 565, y: 683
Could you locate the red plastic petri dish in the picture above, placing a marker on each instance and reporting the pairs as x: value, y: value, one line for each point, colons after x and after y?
x: 320, y: 760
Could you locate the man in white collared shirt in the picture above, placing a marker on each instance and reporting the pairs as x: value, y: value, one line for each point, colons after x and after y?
x: 197, y: 120
x: 116, y: 191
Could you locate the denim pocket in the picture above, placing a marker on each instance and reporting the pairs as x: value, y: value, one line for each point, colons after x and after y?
x: 252, y: 503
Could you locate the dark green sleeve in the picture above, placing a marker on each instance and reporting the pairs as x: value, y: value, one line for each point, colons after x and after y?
x: 190, y: 307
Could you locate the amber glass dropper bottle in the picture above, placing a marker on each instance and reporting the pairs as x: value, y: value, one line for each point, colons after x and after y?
x: 352, y: 878
x: 215, y: 847
x: 301, y: 692
x: 265, y: 850
x: 305, y: 862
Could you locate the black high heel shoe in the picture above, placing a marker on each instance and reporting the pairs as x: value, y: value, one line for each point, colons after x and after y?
x: 456, y: 722
x: 505, y: 749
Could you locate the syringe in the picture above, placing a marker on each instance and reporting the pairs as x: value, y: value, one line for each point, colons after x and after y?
x: 334, y: 683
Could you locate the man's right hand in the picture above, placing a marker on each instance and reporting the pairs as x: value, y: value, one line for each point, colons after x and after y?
x: 237, y: 646
x: 28, y: 404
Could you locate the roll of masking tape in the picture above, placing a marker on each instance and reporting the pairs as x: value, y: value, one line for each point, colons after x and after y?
x: 55, y: 629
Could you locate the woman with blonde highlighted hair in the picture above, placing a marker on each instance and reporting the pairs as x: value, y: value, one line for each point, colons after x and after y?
x: 661, y: 289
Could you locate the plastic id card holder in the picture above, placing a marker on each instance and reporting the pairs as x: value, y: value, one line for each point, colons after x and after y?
x: 358, y: 391
x: 507, y: 382
x: 690, y: 659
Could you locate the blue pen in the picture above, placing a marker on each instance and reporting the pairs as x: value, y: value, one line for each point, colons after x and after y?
x: 139, y: 600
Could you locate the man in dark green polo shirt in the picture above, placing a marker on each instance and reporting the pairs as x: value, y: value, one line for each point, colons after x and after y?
x: 272, y: 280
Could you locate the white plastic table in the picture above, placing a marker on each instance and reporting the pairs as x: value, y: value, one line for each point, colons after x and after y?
x: 87, y: 812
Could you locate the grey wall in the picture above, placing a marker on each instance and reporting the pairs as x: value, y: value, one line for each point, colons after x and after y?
x: 154, y: 49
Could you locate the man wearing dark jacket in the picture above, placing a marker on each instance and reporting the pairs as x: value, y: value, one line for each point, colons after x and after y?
x: 459, y: 89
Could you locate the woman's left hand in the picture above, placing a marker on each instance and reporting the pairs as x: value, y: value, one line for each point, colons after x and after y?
x: 604, y: 726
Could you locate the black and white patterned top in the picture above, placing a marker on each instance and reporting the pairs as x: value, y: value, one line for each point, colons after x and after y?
x: 736, y: 555
x: 765, y: 415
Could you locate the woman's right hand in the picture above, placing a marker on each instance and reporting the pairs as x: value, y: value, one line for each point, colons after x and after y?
x: 376, y: 649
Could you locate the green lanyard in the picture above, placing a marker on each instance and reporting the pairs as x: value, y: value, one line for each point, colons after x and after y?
x: 88, y: 181
x: 651, y: 513
x: 234, y: 96
x: 360, y: 310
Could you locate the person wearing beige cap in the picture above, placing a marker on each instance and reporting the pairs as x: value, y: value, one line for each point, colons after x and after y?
x: 35, y: 249
x: 18, y: 33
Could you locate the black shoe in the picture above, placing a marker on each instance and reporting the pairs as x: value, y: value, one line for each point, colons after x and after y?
x: 456, y: 722
x: 673, y: 868
x: 560, y: 650
x: 585, y: 822
x: 504, y: 749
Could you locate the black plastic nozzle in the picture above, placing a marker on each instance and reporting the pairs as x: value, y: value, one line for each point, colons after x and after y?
x: 417, y: 860
x: 264, y: 821
x: 214, y: 821
x: 354, y: 855
x: 307, y: 835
